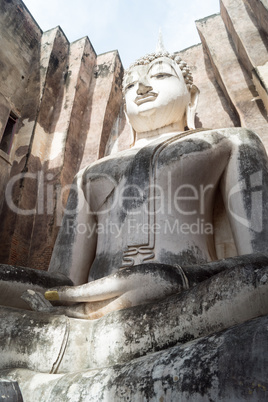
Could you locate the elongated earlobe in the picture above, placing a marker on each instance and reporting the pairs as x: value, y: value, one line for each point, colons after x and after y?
x: 133, y: 132
x: 191, y: 108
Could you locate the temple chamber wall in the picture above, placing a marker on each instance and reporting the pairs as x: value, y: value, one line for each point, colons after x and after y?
x: 67, y: 106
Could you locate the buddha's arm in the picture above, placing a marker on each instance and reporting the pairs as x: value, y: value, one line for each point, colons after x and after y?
x: 75, y: 247
x: 245, y: 192
x: 127, y: 287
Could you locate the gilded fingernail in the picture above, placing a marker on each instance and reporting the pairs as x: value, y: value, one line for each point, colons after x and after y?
x: 52, y: 295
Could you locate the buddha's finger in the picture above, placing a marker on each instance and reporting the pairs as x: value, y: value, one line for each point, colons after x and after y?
x: 99, y: 290
x: 105, y: 288
x: 150, y: 276
x: 36, y: 301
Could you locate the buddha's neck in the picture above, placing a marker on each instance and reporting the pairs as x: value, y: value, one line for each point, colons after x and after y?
x: 149, y: 136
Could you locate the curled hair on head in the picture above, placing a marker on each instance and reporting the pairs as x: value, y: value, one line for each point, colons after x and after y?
x: 148, y: 58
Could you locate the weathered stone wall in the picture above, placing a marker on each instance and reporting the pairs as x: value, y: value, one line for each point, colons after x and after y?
x: 70, y: 105
x: 70, y: 109
x: 229, y: 40
x: 20, y: 86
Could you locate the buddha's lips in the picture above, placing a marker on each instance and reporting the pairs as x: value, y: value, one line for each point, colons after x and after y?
x: 148, y: 97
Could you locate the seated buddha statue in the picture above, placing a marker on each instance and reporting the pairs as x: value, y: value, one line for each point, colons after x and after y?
x: 135, y: 219
x: 138, y: 242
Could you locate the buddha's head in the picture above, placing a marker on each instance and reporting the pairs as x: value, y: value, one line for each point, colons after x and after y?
x: 159, y: 92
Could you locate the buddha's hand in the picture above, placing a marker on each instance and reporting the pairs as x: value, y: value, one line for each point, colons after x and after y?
x: 126, y: 288
x: 37, y: 301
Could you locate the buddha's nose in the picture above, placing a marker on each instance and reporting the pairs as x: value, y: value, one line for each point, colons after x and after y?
x: 143, y: 88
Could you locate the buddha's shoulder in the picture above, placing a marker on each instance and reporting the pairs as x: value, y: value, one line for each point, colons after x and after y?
x: 231, y: 133
x: 233, y: 136
x: 112, y: 165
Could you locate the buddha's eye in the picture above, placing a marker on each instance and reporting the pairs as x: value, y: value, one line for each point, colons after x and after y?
x: 160, y: 76
x: 129, y: 86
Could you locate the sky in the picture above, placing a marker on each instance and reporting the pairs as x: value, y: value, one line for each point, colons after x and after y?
x: 130, y: 26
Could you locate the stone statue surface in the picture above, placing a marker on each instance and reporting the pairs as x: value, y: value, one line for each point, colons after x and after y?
x: 139, y: 227
x: 154, y: 203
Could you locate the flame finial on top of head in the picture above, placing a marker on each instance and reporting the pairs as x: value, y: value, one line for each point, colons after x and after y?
x: 162, y: 52
x: 160, y: 48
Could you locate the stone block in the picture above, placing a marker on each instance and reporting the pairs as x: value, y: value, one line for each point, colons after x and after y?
x: 260, y: 10
x: 260, y: 79
x: 242, y: 26
x: 233, y: 79
x: 104, y: 106
x: 20, y: 62
x: 74, y: 114
x: 224, y: 115
x: 17, y: 56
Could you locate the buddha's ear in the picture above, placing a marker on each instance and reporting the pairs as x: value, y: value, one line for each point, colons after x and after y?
x: 191, y: 108
x: 133, y: 132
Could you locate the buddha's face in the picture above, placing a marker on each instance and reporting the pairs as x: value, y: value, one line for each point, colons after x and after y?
x: 156, y: 95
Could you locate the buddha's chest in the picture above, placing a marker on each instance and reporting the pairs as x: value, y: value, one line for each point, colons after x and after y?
x: 157, y: 174
x: 169, y: 184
